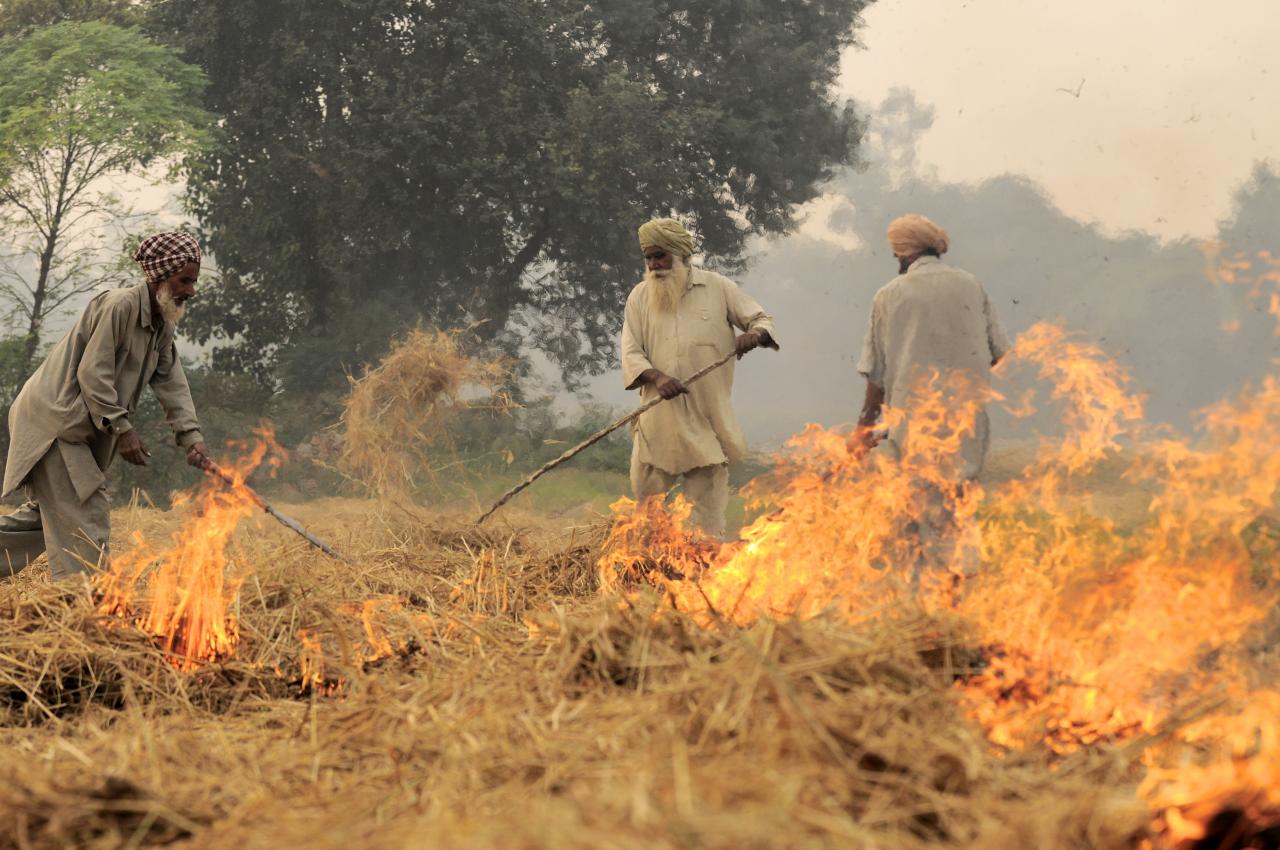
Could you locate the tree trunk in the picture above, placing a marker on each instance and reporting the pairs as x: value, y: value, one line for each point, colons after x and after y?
x: 38, y: 298
x: 505, y: 297
x: 50, y: 251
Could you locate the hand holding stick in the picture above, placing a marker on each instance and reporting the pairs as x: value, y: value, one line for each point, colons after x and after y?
x: 597, y: 437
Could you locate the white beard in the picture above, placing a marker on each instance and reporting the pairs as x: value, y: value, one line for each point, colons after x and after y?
x: 666, y: 287
x: 170, y: 309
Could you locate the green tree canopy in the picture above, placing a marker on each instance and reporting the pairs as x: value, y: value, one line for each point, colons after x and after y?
x: 21, y: 16
x: 79, y: 104
x: 489, y: 161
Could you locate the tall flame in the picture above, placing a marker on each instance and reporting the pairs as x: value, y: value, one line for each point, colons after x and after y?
x: 1092, y: 631
x: 182, y: 593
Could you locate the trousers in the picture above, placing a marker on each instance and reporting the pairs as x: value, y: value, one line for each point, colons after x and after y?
x: 706, y: 488
x: 75, y: 533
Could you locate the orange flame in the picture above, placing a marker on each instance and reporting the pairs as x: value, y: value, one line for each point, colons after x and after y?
x: 1093, y: 631
x: 181, y: 593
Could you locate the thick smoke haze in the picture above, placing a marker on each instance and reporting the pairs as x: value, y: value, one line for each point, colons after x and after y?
x: 1147, y: 302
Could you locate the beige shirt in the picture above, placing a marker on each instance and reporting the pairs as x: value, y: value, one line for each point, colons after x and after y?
x: 699, y: 428
x: 87, y: 390
x: 933, y: 317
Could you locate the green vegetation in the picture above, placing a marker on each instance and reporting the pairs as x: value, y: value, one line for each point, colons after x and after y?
x: 383, y: 162
x: 80, y: 105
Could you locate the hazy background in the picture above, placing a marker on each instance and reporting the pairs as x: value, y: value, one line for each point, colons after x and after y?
x: 1081, y: 156
x: 1088, y: 210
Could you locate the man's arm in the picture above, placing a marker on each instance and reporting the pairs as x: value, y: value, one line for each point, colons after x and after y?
x: 871, y: 364
x: 636, y: 367
x: 96, y: 377
x: 635, y: 362
x: 871, y: 406
x: 864, y: 439
x: 746, y: 314
x: 96, y: 372
x: 169, y: 383
x: 997, y: 339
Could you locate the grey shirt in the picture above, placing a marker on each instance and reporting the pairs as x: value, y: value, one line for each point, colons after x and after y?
x: 934, y: 317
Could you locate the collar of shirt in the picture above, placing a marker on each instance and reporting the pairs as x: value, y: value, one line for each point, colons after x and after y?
x: 923, y: 261
x: 695, y: 279
x: 145, y: 317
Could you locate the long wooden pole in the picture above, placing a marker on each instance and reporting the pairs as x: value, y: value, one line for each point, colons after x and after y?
x: 597, y: 437
x: 288, y: 522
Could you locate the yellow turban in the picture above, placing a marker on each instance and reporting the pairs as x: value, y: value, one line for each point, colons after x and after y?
x: 915, y: 234
x: 667, y: 234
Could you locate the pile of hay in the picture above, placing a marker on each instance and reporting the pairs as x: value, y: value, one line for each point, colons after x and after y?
x: 474, y: 688
x: 397, y: 419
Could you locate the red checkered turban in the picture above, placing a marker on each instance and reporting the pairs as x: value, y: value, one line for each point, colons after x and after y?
x: 163, y: 255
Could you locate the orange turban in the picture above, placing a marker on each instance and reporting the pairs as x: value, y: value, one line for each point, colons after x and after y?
x: 915, y: 234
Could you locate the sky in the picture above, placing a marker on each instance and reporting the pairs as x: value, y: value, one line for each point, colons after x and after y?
x: 1177, y: 98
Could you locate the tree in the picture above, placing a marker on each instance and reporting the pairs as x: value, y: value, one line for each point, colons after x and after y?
x: 81, y: 104
x: 383, y: 161
x: 18, y: 17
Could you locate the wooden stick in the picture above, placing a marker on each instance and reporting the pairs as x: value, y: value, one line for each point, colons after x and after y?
x: 595, y: 438
x: 288, y: 522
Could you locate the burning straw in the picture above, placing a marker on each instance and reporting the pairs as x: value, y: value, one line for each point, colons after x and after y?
x: 1093, y: 636
x: 463, y: 687
x: 477, y: 691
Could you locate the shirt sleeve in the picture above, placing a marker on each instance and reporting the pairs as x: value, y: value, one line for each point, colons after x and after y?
x: 169, y: 383
x: 996, y: 336
x: 634, y: 360
x: 871, y: 363
x: 96, y: 373
x: 746, y: 314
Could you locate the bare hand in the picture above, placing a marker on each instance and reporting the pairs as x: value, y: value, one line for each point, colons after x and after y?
x: 198, y: 455
x: 863, y: 440
x: 131, y: 449
x: 667, y: 386
x: 749, y: 341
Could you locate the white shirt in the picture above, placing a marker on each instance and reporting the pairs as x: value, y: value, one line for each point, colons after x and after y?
x: 699, y: 428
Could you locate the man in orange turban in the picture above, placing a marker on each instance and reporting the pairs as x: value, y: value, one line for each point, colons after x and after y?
x: 932, y: 320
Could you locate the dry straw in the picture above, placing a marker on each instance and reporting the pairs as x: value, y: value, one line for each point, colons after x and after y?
x: 475, y: 689
x: 398, y: 416
x: 456, y: 687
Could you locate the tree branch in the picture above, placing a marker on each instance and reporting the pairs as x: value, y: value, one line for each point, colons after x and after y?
x: 36, y: 221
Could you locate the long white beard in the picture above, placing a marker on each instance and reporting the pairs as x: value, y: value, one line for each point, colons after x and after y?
x: 170, y: 309
x: 666, y: 287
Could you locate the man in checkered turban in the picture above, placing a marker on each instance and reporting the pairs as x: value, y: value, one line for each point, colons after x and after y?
x: 76, y: 412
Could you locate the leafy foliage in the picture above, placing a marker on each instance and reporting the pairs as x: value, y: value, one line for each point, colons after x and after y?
x: 18, y: 17
x: 386, y: 161
x: 80, y: 104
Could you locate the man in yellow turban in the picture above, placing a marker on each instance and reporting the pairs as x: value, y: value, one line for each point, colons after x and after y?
x: 679, y: 319
x: 932, y: 318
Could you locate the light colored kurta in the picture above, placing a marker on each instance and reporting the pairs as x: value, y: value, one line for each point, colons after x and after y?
x: 934, y: 317
x: 699, y: 428
x: 86, y: 392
